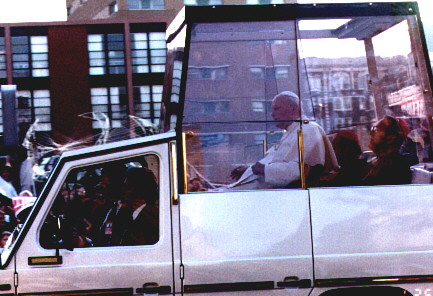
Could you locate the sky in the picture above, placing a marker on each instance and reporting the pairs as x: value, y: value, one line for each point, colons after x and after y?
x: 23, y: 11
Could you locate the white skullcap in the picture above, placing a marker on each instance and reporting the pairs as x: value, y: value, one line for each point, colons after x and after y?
x: 293, y: 98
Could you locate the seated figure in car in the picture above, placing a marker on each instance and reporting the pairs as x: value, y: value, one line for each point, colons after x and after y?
x: 280, y: 166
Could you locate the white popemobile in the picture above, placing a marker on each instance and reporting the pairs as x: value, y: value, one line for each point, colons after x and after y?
x: 349, y: 66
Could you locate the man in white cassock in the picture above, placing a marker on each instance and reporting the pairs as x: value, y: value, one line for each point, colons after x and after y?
x: 280, y: 166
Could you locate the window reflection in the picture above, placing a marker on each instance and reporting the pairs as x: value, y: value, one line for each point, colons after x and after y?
x: 345, y: 73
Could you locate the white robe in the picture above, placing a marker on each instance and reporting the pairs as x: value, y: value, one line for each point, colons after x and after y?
x: 7, y: 189
x: 282, y: 160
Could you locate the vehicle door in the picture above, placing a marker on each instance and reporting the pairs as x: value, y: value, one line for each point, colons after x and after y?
x: 83, y: 191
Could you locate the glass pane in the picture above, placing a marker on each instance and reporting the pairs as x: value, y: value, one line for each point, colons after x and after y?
x: 116, y: 54
x: 214, y: 151
x: 39, y: 40
x: 157, y: 60
x: 40, y: 57
x: 20, y: 65
x: 139, y: 53
x: 20, y: 40
x: 357, y: 77
x: 97, y: 55
x: 20, y: 49
x: 141, y: 69
x: 139, y: 45
x: 115, y: 37
x: 96, y: 47
x: 40, y: 64
x: 99, y: 100
x: 133, y: 4
x: 157, y: 68
x: 157, y: 44
x: 138, y: 36
x: 95, y: 38
x: 139, y: 61
x: 98, y: 91
x: 97, y: 71
x: 41, y: 94
x: 157, y: 89
x: 116, y: 62
x: 41, y: 102
x: 20, y: 57
x: 157, y: 36
x: 86, y: 207
x: 40, y: 73
x: 117, y: 70
x: 42, y: 111
x: 39, y: 48
x: 100, y: 108
x: 97, y: 62
x: 115, y: 46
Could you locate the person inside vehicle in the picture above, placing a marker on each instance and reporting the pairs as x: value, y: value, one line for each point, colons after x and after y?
x: 352, y: 169
x: 135, y: 219
x: 4, y: 238
x: 280, y: 166
x: 390, y: 167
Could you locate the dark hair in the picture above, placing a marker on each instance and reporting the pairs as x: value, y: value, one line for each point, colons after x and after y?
x: 143, y: 180
x: 394, y: 128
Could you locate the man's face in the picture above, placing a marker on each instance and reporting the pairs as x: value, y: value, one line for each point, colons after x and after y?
x: 283, y: 111
x: 377, y: 134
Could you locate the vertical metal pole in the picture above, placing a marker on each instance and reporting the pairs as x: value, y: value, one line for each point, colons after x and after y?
x: 129, y: 83
x: 10, y: 123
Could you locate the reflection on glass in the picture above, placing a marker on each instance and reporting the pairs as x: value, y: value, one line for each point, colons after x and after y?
x: 349, y: 73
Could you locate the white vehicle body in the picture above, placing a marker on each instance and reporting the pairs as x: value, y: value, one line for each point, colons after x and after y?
x: 333, y: 240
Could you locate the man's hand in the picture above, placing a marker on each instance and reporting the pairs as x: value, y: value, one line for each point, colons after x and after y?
x: 258, y: 168
x: 237, y: 172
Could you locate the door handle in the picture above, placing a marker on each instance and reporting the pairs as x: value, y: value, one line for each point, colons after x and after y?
x: 154, y: 288
x: 294, y: 282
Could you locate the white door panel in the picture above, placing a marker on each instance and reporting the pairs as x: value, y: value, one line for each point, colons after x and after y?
x: 372, y: 231
x: 245, y: 237
x: 114, y: 267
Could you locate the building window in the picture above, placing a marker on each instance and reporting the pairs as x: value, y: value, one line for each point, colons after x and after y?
x: 30, y: 56
x: 145, y: 4
x: 112, y: 101
x: 2, y: 58
x: 315, y: 82
x: 148, y: 52
x: 269, y: 72
x: 106, y: 54
x: 340, y: 81
x: 147, y: 101
x: 203, y: 2
x: 113, y: 8
x: 210, y: 107
x: 35, y: 105
x: 207, y: 72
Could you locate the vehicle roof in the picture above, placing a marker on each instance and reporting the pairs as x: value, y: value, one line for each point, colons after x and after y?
x: 289, y: 11
x: 119, y: 145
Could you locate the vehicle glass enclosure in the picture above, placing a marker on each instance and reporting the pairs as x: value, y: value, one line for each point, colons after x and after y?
x: 349, y: 67
x: 95, y: 203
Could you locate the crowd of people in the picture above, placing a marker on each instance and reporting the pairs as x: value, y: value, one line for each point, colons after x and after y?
x: 119, y: 206
x: 14, y: 185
